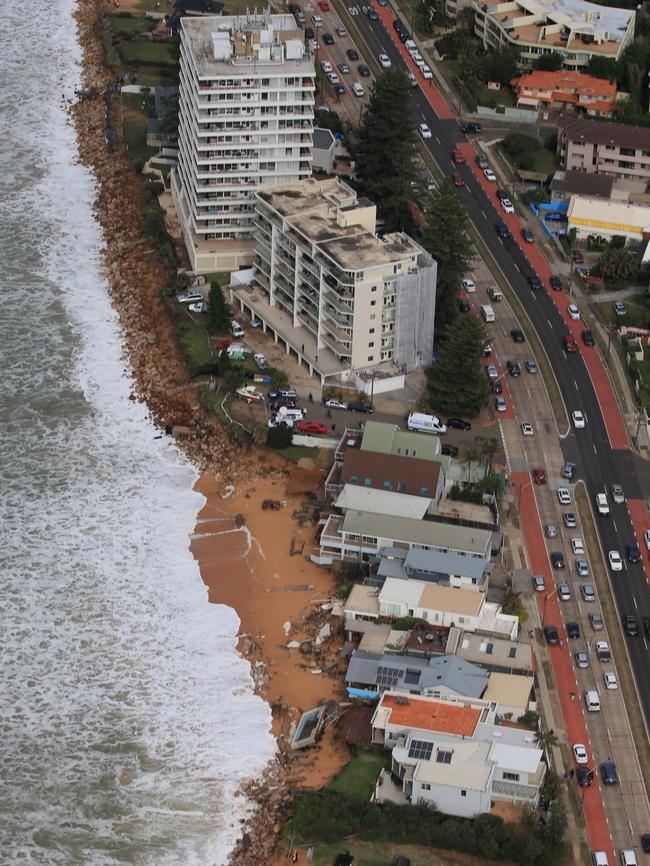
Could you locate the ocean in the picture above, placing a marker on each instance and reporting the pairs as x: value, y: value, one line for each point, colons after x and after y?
x: 127, y: 717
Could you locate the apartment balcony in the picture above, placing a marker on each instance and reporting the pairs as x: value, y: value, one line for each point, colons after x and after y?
x: 342, y: 324
x: 513, y: 792
x: 342, y: 307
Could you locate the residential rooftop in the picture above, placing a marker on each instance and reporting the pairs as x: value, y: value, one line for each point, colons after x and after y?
x: 601, y: 132
x: 581, y: 183
x: 425, y: 714
x: 418, y: 563
x: 490, y: 651
x: 382, y: 502
x: 508, y: 690
x: 390, y: 472
x: 568, y: 82
x: 390, y: 439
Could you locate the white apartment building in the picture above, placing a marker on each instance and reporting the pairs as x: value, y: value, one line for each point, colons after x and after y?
x: 340, y: 295
x: 245, y: 122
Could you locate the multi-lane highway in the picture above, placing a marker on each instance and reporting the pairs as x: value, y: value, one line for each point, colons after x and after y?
x: 599, y: 464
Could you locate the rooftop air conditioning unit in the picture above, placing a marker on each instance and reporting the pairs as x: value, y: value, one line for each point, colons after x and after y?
x: 400, y: 699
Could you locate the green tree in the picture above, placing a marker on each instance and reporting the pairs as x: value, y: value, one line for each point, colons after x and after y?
x: 617, y: 267
x: 279, y: 437
x: 385, y: 146
x: 556, y: 826
x: 219, y: 315
x: 512, y: 603
x: 501, y: 65
x: 169, y: 115
x: 546, y: 740
x: 551, y: 62
x: 488, y: 448
x: 445, y: 236
x: 456, y: 383
x: 603, y: 67
x: 470, y: 457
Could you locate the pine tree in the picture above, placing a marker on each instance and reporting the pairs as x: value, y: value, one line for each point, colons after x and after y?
x: 445, y: 237
x: 219, y: 315
x: 384, y: 149
x: 457, y: 384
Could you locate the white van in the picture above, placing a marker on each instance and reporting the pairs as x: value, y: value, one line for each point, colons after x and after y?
x: 410, y: 46
x: 488, y: 313
x: 592, y: 700
x: 425, y: 423
x: 495, y: 294
x: 286, y: 414
x: 628, y: 858
x: 357, y: 89
x: 602, y: 504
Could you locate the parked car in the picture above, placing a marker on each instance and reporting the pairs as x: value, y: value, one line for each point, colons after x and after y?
x: 538, y: 583
x: 468, y: 285
x: 363, y: 70
x: 260, y: 360
x: 584, y: 777
x: 327, y: 38
x: 469, y: 128
x: 617, y: 494
x: 556, y: 283
x: 364, y: 408
x: 464, y: 305
x: 569, y: 470
x: 550, y: 530
x: 552, y: 636
x: 588, y: 592
x: 531, y: 366
x: 564, y: 592
x: 490, y: 175
x: 189, y: 297
x: 577, y: 257
x: 577, y: 545
x: 596, y: 621
x: 352, y: 53
x: 633, y: 553
x: 569, y: 519
x: 582, y: 567
x: 200, y: 307
x: 608, y: 773
x: 312, y: 427
x: 573, y: 311
x: 564, y: 495
x: 573, y: 630
x: 539, y: 476
x: 335, y: 404
x: 507, y: 205
x: 581, y: 659
x: 588, y: 338
x: 514, y: 368
x: 500, y: 404
x: 517, y: 335
x: 619, y: 308
x: 449, y: 450
x: 528, y: 236
x: 459, y: 424
x: 557, y: 559
x: 580, y: 753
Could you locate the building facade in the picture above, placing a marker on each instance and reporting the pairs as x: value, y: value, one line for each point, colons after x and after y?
x: 246, y: 114
x: 325, y: 282
x: 613, y: 149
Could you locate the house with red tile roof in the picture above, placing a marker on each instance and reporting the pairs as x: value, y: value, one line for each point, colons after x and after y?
x: 566, y: 90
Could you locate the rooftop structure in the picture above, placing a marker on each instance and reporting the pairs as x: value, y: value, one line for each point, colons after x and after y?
x: 494, y: 653
x: 510, y: 691
x: 410, y: 475
x: 382, y: 502
x: 396, y: 712
x: 384, y: 438
x: 591, y: 216
x: 568, y: 183
x: 597, y: 147
x: 448, y: 569
x: 566, y: 89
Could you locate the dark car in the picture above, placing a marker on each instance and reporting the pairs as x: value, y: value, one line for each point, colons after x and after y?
x: 646, y: 626
x: 588, y: 338
x: 352, y: 53
x: 557, y: 559
x: 361, y: 407
x: 517, y: 335
x: 630, y: 625
x: 528, y: 236
x: 584, y: 777
x: 403, y: 35
x: 514, y: 368
x: 608, y: 773
x: 534, y: 282
x: 363, y: 70
x: 327, y: 38
x: 372, y: 14
x: 449, y: 450
x: 551, y: 635
x: 556, y: 283
x: 459, y: 424
x: 468, y: 128
x: 569, y: 470
x: 309, y: 33
x: 573, y: 630
x: 502, y: 193
x: 645, y: 842
x: 502, y: 230
x: 497, y: 387
x: 633, y: 553
x: 463, y: 305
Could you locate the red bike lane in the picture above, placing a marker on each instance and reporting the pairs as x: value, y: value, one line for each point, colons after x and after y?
x: 561, y: 660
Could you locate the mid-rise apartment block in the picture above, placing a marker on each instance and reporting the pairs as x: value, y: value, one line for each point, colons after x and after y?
x: 245, y: 122
x: 573, y: 28
x: 597, y: 147
x: 340, y: 295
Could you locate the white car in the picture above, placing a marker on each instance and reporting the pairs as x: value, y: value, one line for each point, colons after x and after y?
x: 610, y: 680
x: 527, y: 429
x: 384, y: 60
x: 577, y: 545
x: 326, y: 66
x: 468, y: 285
x: 357, y: 89
x: 564, y: 495
x: 411, y: 78
x: 564, y: 592
x: 579, y: 419
x: 201, y: 307
x: 490, y: 175
x: 335, y: 404
x: 580, y: 754
x: 646, y: 538
x: 260, y: 360
x: 617, y: 494
x: 317, y: 20
x: 427, y: 74
x: 333, y: 78
x: 506, y: 204
x: 615, y: 561
x: 573, y: 311
x: 425, y: 132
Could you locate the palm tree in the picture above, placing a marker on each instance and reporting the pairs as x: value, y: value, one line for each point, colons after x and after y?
x: 488, y: 447
x: 546, y: 740
x: 470, y: 457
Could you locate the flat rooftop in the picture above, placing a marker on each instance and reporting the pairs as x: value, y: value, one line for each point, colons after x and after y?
x: 603, y: 23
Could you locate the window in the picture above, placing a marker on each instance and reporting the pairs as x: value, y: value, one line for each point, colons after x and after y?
x: 387, y: 484
x: 426, y: 786
x: 510, y: 777
x: 412, y: 677
x: 373, y: 303
x: 373, y: 289
x: 513, y: 652
x: 371, y: 345
x: 371, y: 331
x: 443, y: 757
x: 489, y: 649
x: 370, y: 357
x: 353, y: 479
x: 420, y: 749
x: 367, y: 482
x: 424, y: 489
x: 401, y: 487
x: 463, y: 793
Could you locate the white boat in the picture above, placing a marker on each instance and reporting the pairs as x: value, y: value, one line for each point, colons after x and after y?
x: 250, y: 394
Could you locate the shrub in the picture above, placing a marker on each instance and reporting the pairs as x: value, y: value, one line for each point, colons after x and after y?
x: 279, y: 437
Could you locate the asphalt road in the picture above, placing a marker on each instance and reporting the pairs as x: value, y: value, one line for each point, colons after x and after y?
x: 598, y: 464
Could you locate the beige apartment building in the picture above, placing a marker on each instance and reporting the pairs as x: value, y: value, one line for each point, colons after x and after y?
x: 246, y: 112
x: 613, y: 149
x: 340, y: 295
x: 573, y: 28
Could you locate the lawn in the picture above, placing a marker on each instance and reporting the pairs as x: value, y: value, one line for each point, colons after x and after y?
x: 150, y: 53
x: 122, y: 24
x: 134, y: 126
x: 543, y: 160
x: 495, y: 98
x: 297, y: 452
x: 192, y: 337
x: 383, y: 854
x: 359, y: 777
x: 637, y: 312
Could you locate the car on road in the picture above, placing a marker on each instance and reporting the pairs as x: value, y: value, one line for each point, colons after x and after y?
x: 602, y: 505
x: 459, y: 424
x: 457, y: 179
x: 619, y: 308
x: 539, y: 476
x: 581, y: 659
x: 573, y: 311
x: 578, y: 419
x: 584, y: 777
x: 570, y: 345
x: 260, y: 360
x: 577, y: 545
x: 340, y: 90
x: 557, y: 560
x: 535, y: 283
x: 588, y: 338
x: 341, y: 31
x: 564, y: 495
x: 326, y: 66
x: 506, y: 204
x: 497, y: 387
x: 617, y: 494
x: 309, y: 33
x: 573, y: 630
x: 384, y: 61
x: 518, y: 335
x: 357, y: 89
x: 615, y: 560
x: 596, y: 621
x: 469, y: 128
x: 491, y: 371
x: 457, y: 157
x: 531, y: 366
x: 317, y: 21
x: 569, y: 519
x: 645, y: 842
x: 312, y: 427
x: 588, y: 592
x: 538, y: 583
x: 646, y: 626
x: 501, y: 194
x: 528, y: 236
x: 550, y: 530
x: 564, y: 592
x: 324, y: 6
x: 425, y: 132
x: 527, y: 429
x: 580, y: 754
x: 490, y: 175
x: 611, y: 682
x: 630, y: 625
x: 364, y: 408
x: 514, y: 367
x: 608, y: 773
x: 363, y: 70
x: 352, y: 53
x: 569, y: 470
x: 344, y: 68
x: 464, y: 305
x: 646, y: 538
x: 482, y: 162
x: 633, y: 553
x: 411, y: 78
x: 468, y: 285
x: 500, y: 404
x: 552, y: 636
x: 502, y: 230
x: 327, y: 38
x: 582, y: 567
x: 333, y: 78
x: 556, y: 283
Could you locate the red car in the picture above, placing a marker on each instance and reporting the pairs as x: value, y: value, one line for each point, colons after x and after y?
x: 539, y: 476
x: 312, y: 427
x: 456, y: 179
x: 570, y: 345
x: 324, y: 6
x: 458, y: 157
